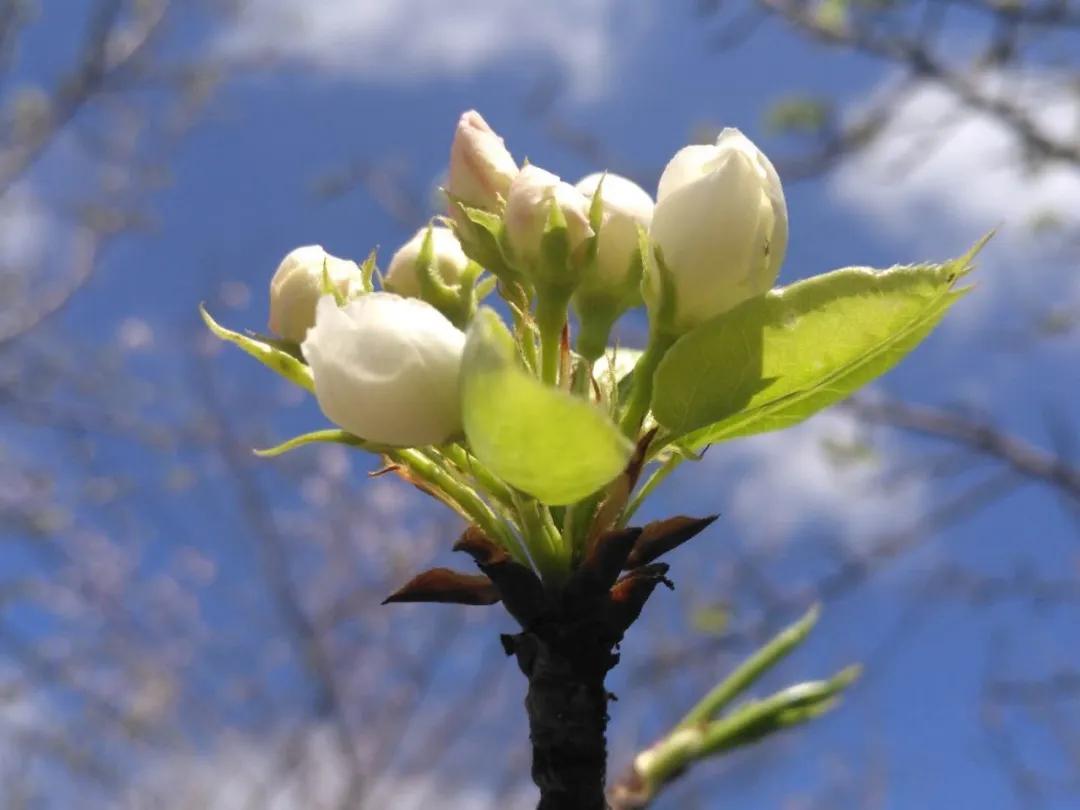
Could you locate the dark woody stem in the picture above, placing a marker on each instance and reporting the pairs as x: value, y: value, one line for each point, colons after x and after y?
x: 566, y: 647
x: 567, y: 707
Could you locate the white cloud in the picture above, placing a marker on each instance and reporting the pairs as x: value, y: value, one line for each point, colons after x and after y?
x: 299, y: 770
x: 410, y: 40
x: 825, y: 472
x: 941, y: 175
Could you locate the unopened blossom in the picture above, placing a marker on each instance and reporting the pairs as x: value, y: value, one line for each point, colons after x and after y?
x: 403, y: 274
x: 386, y: 369
x: 481, y: 167
x: 297, y: 286
x: 528, y: 208
x: 721, y: 226
x: 627, y: 206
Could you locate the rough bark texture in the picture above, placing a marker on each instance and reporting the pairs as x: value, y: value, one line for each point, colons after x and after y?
x: 567, y: 705
x: 566, y: 648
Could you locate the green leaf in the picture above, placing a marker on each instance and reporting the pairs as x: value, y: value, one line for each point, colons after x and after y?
x: 542, y: 440
x: 269, y: 355
x: 805, y: 115
x: 751, y: 670
x: 833, y: 15
x: 331, y: 435
x: 776, y: 360
x: 482, y: 236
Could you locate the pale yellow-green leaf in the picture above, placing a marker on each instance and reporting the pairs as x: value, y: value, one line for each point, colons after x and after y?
x: 270, y: 356
x: 779, y: 359
x: 542, y: 440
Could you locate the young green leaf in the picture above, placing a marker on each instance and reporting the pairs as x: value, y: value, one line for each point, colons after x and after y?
x: 776, y: 360
x: 269, y: 355
x: 331, y: 435
x: 542, y: 440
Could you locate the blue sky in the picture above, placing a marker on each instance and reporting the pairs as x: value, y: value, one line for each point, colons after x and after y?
x: 385, y: 82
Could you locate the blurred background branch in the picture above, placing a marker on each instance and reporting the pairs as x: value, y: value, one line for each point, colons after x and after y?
x: 183, y: 626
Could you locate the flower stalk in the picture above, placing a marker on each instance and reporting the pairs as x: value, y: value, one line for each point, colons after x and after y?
x: 641, y: 392
x: 470, y: 504
x: 552, y: 305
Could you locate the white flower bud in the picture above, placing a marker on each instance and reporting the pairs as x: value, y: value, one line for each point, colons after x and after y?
x: 402, y: 276
x: 297, y: 286
x: 386, y: 369
x: 481, y: 167
x: 626, y: 206
x: 528, y: 206
x: 721, y: 225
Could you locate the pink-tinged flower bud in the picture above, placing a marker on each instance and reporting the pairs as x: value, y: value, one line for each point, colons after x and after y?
x: 528, y: 209
x: 481, y: 167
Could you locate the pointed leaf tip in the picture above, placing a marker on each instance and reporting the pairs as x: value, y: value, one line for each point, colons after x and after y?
x: 662, y: 536
x: 274, y: 358
x: 446, y: 586
x: 331, y: 435
x: 521, y: 591
x: 776, y: 360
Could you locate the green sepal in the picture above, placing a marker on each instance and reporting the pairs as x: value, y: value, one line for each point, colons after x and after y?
x: 663, y: 320
x: 328, y: 286
x: 290, y: 347
x: 331, y: 435
x: 596, y: 206
x: 274, y: 358
x: 553, y: 263
x: 483, y: 238
x: 367, y: 273
x: 455, y: 301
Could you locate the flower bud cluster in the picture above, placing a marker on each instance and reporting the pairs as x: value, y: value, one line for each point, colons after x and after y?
x: 385, y: 364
